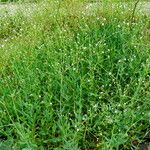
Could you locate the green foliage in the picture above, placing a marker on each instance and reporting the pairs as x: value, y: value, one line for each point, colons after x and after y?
x: 73, y: 77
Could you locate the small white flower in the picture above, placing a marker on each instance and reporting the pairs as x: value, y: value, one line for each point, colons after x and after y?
x: 119, y: 26
x: 104, y: 19
x: 116, y: 111
x: 110, y: 73
x: 101, y: 134
x: 134, y: 56
x: 2, y: 46
x: 88, y: 80
x: 119, y: 105
x: 128, y: 24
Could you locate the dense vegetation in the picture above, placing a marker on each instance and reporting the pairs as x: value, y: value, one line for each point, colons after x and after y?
x: 73, y: 77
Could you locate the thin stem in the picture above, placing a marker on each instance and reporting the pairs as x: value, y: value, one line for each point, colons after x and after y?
x: 133, y: 12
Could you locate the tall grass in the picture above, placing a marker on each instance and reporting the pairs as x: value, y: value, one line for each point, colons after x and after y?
x: 73, y: 77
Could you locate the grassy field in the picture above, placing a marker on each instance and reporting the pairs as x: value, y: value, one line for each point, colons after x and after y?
x: 75, y: 78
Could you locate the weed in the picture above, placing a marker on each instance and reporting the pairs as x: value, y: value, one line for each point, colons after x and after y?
x: 70, y: 79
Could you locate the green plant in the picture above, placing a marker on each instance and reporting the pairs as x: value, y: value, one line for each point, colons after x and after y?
x: 74, y: 76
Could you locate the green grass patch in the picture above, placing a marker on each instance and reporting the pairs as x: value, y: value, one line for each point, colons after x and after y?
x: 74, y: 78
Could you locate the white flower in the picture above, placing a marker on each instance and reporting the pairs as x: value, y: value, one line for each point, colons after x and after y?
x: 88, y: 80
x: 2, y: 46
x: 110, y: 73
x: 104, y: 19
x: 119, y: 26
x: 128, y: 24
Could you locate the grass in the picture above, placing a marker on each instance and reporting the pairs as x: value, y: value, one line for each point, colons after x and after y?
x: 74, y: 78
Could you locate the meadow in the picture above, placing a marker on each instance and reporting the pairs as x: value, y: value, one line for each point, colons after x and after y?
x: 75, y: 75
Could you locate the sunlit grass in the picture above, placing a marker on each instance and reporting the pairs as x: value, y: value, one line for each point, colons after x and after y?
x: 70, y: 79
